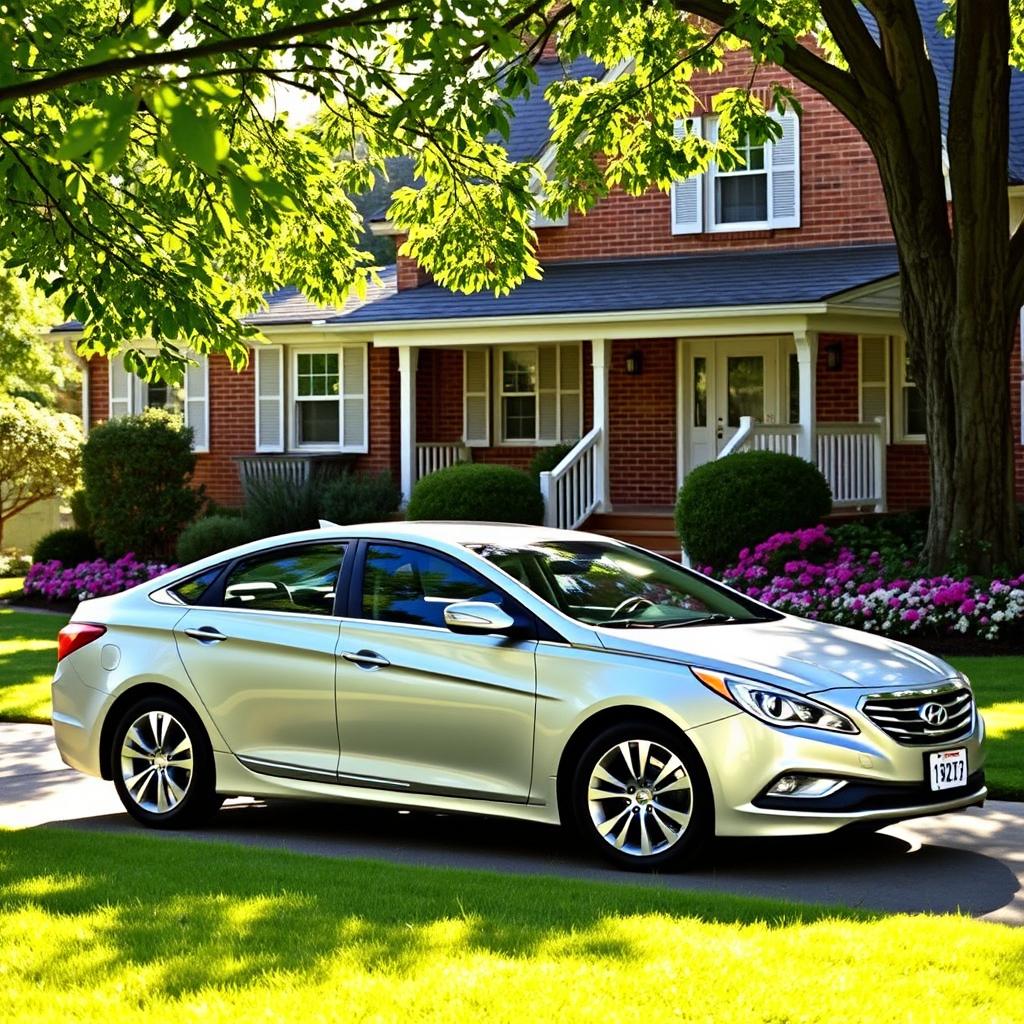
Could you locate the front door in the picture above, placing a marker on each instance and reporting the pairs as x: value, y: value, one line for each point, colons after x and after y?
x: 724, y: 380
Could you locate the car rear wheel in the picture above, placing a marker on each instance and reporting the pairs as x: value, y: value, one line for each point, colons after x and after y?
x: 162, y: 764
x: 641, y: 798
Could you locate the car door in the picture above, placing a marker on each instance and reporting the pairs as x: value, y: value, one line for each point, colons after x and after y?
x: 423, y: 709
x: 261, y: 654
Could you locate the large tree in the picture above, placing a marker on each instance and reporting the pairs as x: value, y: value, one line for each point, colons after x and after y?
x: 152, y: 181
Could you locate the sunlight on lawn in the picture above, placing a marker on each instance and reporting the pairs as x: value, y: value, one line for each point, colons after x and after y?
x: 9, y: 586
x: 135, y: 928
x: 28, y: 654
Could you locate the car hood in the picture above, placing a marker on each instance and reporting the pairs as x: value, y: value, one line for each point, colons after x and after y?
x: 804, y: 655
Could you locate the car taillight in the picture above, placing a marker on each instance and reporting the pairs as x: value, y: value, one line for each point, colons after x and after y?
x: 75, y: 635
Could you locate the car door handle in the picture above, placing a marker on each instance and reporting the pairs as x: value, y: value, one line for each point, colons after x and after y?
x: 366, y: 659
x: 206, y: 635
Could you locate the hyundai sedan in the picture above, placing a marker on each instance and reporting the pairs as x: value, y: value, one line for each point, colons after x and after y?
x: 532, y: 673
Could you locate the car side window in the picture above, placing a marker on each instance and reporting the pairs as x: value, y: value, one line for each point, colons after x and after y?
x: 404, y: 584
x: 300, y: 579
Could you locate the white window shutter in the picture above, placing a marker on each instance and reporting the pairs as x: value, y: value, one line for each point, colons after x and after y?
x: 197, y: 403
x: 353, y: 398
x: 269, y: 398
x: 784, y: 178
x: 874, y: 378
x: 688, y: 195
x: 120, y: 388
x: 476, y: 395
x: 547, y: 393
x: 569, y: 408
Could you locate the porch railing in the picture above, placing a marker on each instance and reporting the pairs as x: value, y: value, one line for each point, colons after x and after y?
x: 851, y: 456
x: 431, y: 457
x: 257, y: 470
x: 574, y: 488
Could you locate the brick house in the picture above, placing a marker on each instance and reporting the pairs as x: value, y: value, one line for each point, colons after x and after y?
x: 757, y: 308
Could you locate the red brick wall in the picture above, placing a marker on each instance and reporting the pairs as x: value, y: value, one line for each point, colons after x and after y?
x: 838, y: 395
x: 906, y: 477
x: 439, y: 395
x: 642, y: 424
x: 384, y: 398
x: 232, y: 430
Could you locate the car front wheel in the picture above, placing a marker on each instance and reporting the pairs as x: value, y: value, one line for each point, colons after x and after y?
x: 162, y: 764
x: 641, y: 798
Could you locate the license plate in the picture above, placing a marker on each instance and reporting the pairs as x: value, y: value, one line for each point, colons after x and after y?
x: 947, y: 769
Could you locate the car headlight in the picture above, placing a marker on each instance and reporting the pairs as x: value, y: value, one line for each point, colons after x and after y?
x: 774, y: 705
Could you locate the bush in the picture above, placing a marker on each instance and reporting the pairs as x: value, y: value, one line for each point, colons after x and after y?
x: 136, y: 471
x: 279, y: 506
x: 80, y: 511
x: 477, y: 491
x: 67, y: 546
x: 733, y: 503
x: 359, y: 498
x: 547, y: 458
x: 212, y: 534
x: 14, y: 563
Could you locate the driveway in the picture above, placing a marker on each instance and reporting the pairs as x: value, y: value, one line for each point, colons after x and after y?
x: 972, y: 862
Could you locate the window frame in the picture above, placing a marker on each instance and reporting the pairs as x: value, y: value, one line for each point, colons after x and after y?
x: 295, y: 398
x: 713, y: 174
x: 498, y: 419
x: 290, y: 398
x: 502, y: 394
x: 901, y: 383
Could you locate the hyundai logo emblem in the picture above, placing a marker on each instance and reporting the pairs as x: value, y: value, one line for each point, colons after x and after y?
x: 933, y: 714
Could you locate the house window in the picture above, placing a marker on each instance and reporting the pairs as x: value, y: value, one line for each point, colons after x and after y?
x: 317, y: 394
x: 161, y: 396
x: 911, y: 413
x: 539, y: 394
x: 741, y: 194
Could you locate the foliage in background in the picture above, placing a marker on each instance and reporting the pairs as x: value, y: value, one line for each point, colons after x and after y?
x: 359, y: 498
x: 277, y: 505
x: 211, y: 534
x: 735, y: 502
x: 70, y: 546
x: 99, y: 578
x: 137, y: 473
x: 548, y: 457
x: 13, y: 563
x: 477, y: 491
x: 79, y: 505
x: 809, y: 573
x: 40, y: 451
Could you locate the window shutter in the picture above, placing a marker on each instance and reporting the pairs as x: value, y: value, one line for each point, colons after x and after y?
x: 197, y: 403
x: 784, y: 191
x: 353, y: 398
x: 120, y: 388
x: 688, y: 195
x: 874, y: 378
x: 569, y: 393
x: 547, y: 393
x: 269, y: 398
x: 476, y: 393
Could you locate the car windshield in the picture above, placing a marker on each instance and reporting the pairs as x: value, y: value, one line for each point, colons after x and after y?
x: 609, y: 585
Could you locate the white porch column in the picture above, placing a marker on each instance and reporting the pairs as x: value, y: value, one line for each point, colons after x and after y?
x: 407, y: 419
x: 600, y: 354
x: 807, y: 360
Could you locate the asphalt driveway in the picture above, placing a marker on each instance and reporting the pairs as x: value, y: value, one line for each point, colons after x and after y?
x: 972, y: 862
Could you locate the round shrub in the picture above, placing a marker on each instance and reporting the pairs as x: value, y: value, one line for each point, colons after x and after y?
x: 359, y: 498
x: 69, y: 547
x: 547, y: 458
x: 736, y: 502
x: 212, y: 534
x: 137, y: 473
x: 477, y: 491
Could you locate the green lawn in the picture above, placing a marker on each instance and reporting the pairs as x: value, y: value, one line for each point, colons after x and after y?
x: 28, y: 652
x: 28, y: 649
x: 100, y: 928
x: 10, y: 586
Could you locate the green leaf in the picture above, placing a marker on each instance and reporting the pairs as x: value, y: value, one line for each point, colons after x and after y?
x: 83, y: 134
x: 197, y: 138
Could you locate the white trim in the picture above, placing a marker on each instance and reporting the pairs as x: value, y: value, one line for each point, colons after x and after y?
x: 264, y: 352
x: 499, y: 394
x: 900, y: 382
x: 204, y: 368
x: 293, y: 400
x: 693, y: 185
x: 407, y: 359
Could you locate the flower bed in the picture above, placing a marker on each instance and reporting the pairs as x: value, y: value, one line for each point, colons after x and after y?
x: 806, y: 573
x: 52, y: 582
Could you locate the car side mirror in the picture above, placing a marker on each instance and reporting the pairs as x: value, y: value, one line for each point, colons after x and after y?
x: 479, y: 617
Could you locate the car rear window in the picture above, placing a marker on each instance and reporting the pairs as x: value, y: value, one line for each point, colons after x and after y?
x: 191, y: 590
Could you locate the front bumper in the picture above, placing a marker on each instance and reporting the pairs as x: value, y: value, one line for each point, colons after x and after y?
x: 885, y: 781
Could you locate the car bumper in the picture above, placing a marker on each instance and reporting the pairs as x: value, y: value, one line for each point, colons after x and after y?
x: 883, y: 781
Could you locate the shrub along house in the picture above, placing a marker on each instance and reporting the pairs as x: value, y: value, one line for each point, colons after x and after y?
x: 755, y: 308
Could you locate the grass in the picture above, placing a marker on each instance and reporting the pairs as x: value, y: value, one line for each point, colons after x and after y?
x: 28, y: 648
x: 10, y: 586
x: 95, y: 928
x: 999, y: 689
x: 28, y: 653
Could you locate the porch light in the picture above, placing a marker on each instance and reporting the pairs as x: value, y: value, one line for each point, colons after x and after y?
x: 635, y: 363
x: 834, y: 356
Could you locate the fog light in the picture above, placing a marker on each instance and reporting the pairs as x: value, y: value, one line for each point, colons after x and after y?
x: 805, y: 785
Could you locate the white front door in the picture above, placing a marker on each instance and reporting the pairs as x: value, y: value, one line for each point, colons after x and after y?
x: 723, y: 380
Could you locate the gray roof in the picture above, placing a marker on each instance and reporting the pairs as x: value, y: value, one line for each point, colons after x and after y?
x: 290, y: 306
x: 708, y: 280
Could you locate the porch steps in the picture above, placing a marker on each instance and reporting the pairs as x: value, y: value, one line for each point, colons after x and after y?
x: 653, y: 529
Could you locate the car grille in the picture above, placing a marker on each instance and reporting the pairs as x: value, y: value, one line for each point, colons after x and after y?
x: 910, y: 716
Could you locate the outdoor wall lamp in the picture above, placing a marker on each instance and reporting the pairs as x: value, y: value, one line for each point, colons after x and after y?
x: 834, y: 356
x: 635, y: 363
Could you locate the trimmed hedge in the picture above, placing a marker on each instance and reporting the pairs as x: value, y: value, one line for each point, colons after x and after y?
x: 477, y: 491
x: 212, y: 534
x: 69, y: 547
x: 734, y: 503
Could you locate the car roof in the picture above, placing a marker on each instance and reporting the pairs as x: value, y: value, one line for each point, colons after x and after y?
x: 458, y: 532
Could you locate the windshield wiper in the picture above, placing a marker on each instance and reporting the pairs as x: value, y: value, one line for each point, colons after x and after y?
x: 704, y: 620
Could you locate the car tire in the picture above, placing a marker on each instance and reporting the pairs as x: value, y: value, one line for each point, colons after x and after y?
x: 162, y: 764
x: 658, y: 813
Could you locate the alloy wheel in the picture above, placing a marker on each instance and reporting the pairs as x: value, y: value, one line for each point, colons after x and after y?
x: 157, y: 762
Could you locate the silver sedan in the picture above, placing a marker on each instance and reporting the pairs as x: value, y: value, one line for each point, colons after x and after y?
x: 505, y: 670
